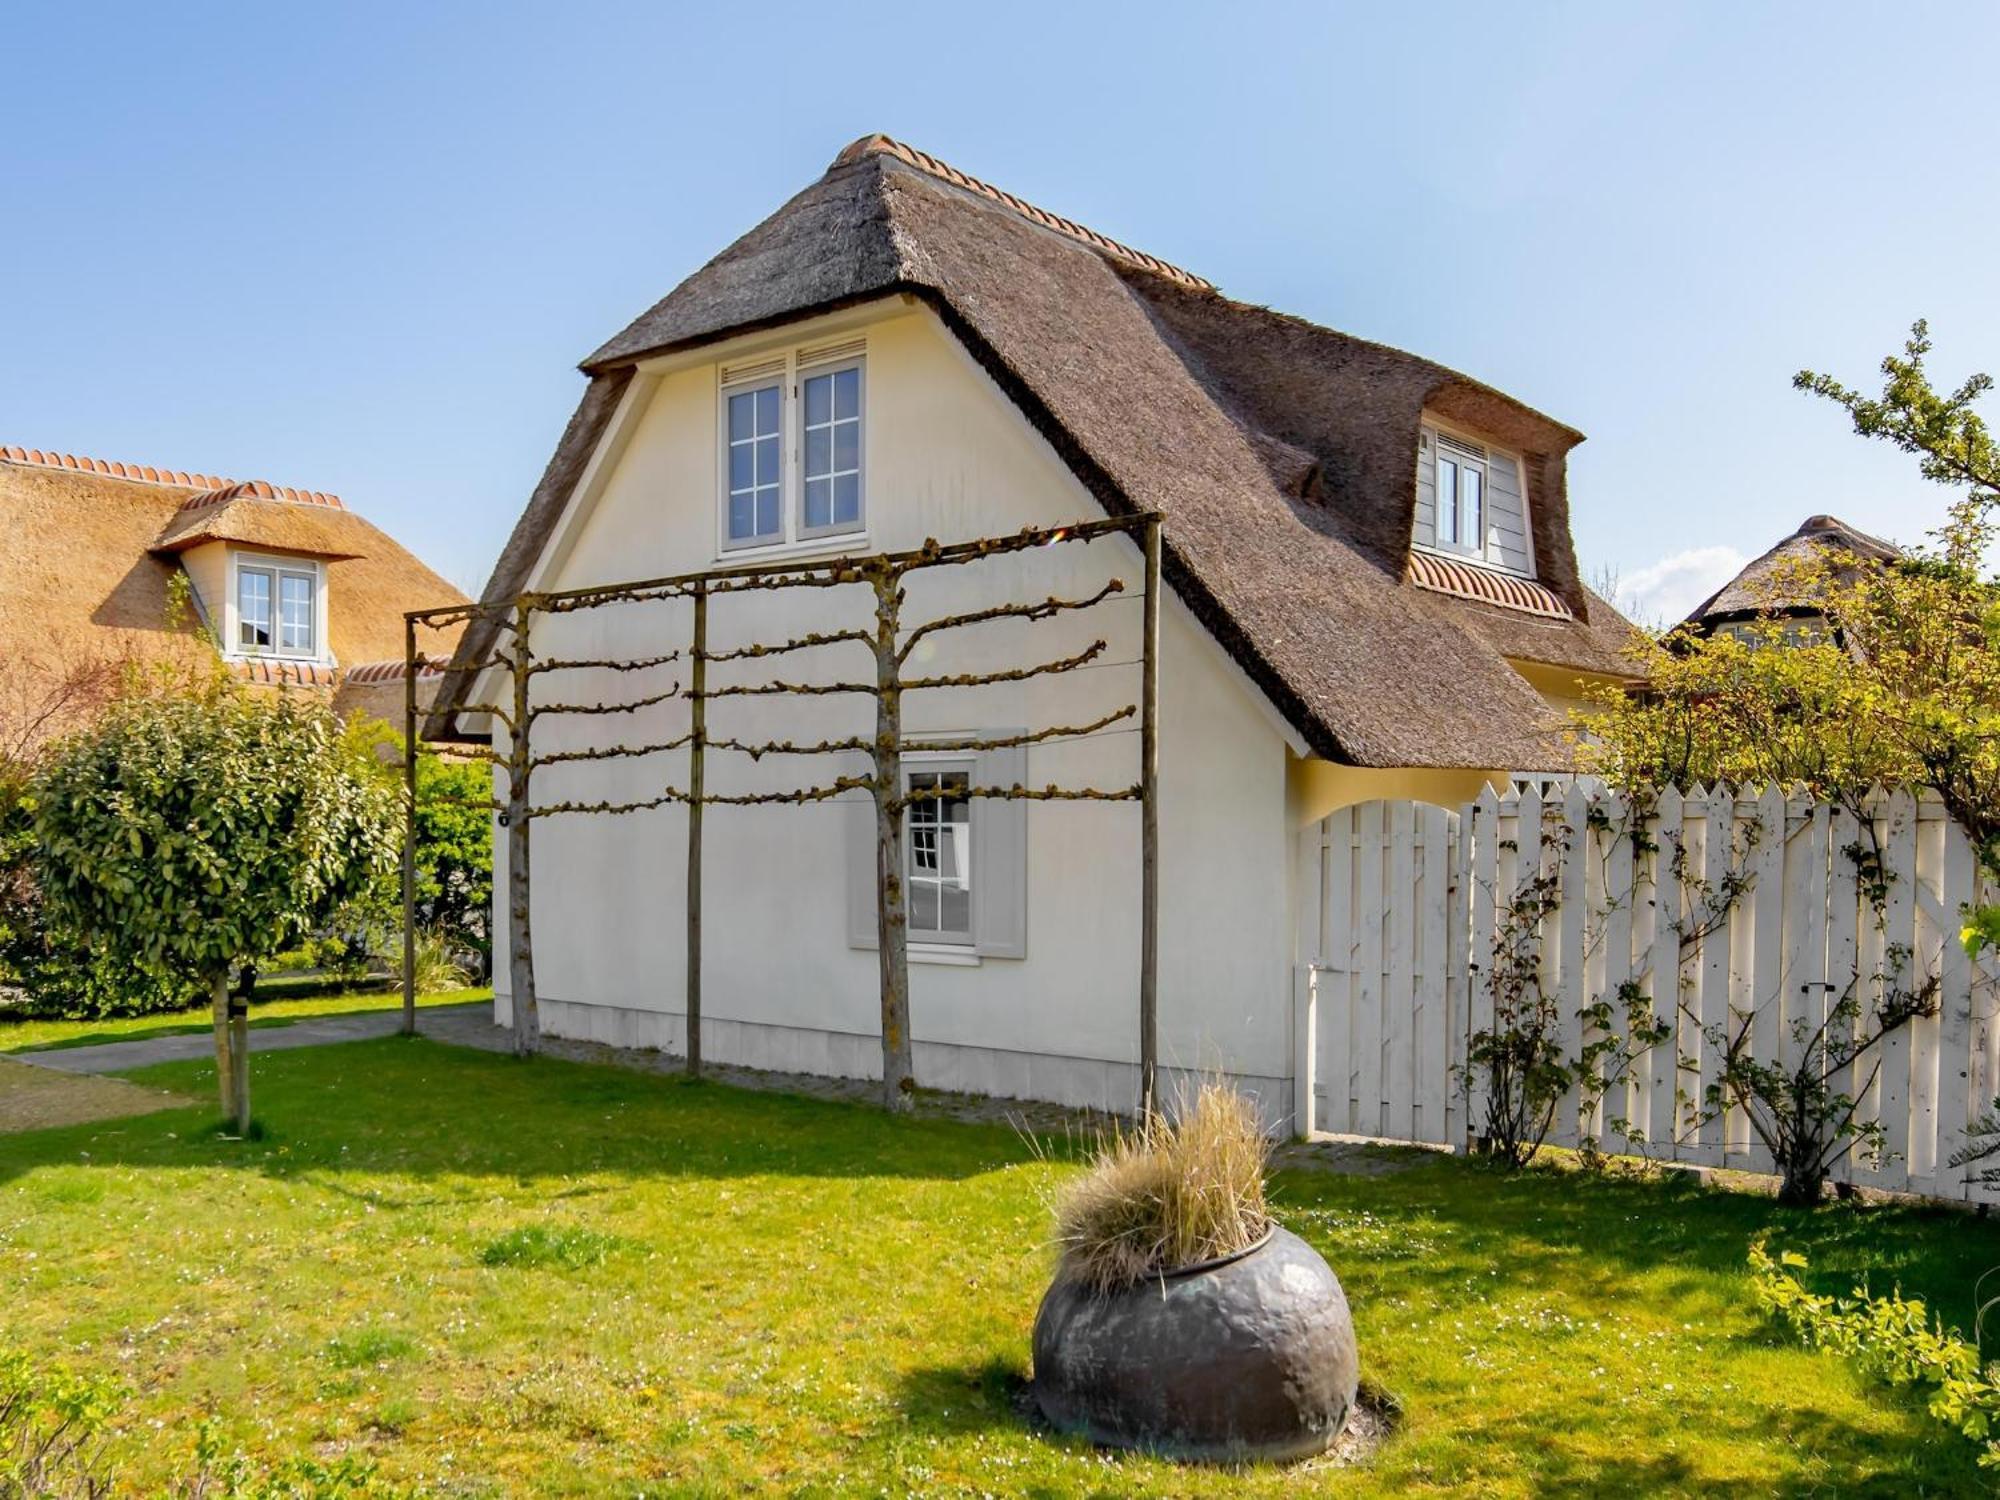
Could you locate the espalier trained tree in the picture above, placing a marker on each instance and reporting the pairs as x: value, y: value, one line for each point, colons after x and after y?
x: 200, y: 835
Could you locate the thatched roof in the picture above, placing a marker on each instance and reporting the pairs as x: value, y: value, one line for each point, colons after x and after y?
x: 92, y: 548
x: 1282, y: 455
x: 323, y: 528
x: 1771, y: 586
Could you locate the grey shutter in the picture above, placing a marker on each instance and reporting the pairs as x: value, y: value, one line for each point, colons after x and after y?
x: 1000, y: 856
x: 1507, y: 516
x: 1426, y: 525
x: 858, y: 812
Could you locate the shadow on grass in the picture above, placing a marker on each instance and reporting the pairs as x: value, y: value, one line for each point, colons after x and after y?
x: 951, y: 1400
x: 420, y: 1109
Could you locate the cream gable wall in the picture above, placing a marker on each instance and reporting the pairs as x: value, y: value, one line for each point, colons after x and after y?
x: 947, y: 456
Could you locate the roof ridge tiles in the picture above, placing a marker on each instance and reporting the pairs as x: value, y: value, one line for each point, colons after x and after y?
x: 213, y: 490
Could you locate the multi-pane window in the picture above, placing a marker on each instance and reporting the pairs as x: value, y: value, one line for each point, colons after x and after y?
x: 756, y: 482
x: 793, y: 451
x: 831, y: 465
x: 277, y: 609
x: 1461, y: 496
x: 295, y: 614
x: 938, y: 828
x: 253, y: 609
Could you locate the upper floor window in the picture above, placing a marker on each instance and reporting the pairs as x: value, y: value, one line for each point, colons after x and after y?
x: 832, y: 451
x: 1461, y: 496
x: 756, y: 503
x: 277, y: 609
x: 793, y: 447
x: 1471, y: 501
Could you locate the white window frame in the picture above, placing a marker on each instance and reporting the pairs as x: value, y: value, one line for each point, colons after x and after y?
x: 1465, y: 457
x: 828, y: 369
x: 919, y: 763
x: 277, y: 567
x: 793, y: 534
x: 778, y: 380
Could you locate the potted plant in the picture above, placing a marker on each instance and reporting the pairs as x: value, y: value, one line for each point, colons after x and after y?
x: 1183, y: 1319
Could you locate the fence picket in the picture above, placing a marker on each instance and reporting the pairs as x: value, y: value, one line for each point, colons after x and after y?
x: 1483, y: 890
x: 1850, y: 926
x: 1900, y: 971
x: 1370, y: 890
x: 1710, y: 1004
x: 1431, y: 1018
x: 1957, y: 1105
x: 1610, y: 965
x: 1666, y: 1119
x: 1765, y: 935
x: 1336, y: 993
x: 1399, y: 996
x: 1573, y: 848
x: 1458, y: 981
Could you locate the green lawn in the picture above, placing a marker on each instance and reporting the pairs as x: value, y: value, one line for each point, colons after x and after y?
x: 40, y: 1036
x: 545, y: 1278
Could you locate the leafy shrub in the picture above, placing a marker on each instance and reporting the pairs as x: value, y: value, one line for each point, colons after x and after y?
x: 438, y: 967
x: 1170, y: 1193
x: 538, y: 1245
x: 50, y: 1423
x: 46, y: 968
x: 1893, y: 1338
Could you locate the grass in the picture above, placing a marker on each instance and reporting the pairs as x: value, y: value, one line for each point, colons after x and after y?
x: 567, y: 1248
x: 814, y: 1295
x: 43, y: 1036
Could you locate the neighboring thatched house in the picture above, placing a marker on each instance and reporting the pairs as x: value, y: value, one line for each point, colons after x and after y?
x: 1373, y: 595
x: 1777, y: 587
x: 291, y: 586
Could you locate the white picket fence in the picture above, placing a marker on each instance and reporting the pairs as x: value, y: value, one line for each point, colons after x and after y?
x: 1710, y: 908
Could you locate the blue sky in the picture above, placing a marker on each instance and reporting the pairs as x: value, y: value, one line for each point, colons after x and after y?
x: 362, y: 247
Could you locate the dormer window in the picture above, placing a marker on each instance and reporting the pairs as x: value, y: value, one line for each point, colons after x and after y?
x: 1461, y: 496
x: 277, y: 607
x: 1471, y: 501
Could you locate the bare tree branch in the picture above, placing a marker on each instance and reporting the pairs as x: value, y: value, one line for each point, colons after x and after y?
x: 1047, y: 608
x: 985, y: 679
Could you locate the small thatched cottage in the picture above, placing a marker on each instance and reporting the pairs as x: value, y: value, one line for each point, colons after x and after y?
x: 1776, y: 588
x: 1373, y: 594
x: 289, y: 585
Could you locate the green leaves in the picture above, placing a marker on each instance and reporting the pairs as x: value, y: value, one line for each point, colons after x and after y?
x: 187, y: 835
x: 1894, y: 1338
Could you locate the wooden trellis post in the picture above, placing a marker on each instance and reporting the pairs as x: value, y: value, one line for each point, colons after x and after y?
x: 1149, y: 829
x: 518, y: 822
x: 697, y: 746
x: 409, y: 826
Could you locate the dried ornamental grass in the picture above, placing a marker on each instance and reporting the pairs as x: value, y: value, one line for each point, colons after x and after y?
x: 1170, y: 1193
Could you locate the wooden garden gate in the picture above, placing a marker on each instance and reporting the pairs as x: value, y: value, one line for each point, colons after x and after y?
x: 1382, y: 957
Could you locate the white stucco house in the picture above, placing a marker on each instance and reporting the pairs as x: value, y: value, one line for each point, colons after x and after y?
x: 1371, y: 592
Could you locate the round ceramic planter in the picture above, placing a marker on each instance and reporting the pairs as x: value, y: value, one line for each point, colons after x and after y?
x: 1248, y: 1357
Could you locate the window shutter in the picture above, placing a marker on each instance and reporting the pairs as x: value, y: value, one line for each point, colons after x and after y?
x: 859, y: 812
x: 1000, y: 856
